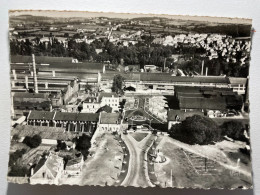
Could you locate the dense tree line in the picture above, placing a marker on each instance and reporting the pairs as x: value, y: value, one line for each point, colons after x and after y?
x: 142, y: 53
x: 203, y: 130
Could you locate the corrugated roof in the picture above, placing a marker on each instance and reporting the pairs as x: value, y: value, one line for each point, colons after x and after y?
x: 39, y: 59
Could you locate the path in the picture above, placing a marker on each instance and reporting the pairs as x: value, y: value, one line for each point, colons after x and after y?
x: 137, y: 172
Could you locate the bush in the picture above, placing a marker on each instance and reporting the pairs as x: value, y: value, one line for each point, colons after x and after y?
x: 234, y: 130
x: 15, y: 156
x: 33, y: 142
x: 196, y: 130
x: 18, y: 171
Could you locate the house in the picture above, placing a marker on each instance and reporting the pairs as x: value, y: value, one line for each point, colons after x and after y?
x: 74, y: 166
x: 48, y: 170
x: 91, y: 105
x: 110, y: 99
x: 110, y: 122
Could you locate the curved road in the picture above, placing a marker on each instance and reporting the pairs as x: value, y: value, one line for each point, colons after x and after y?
x: 137, y: 171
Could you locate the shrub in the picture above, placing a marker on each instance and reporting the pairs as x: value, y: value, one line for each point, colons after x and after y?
x: 196, y: 130
x: 15, y: 156
x: 18, y: 171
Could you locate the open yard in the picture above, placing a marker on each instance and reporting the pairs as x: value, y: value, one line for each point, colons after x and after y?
x: 104, y: 164
x: 186, y: 167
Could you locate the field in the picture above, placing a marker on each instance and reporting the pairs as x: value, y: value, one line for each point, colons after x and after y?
x: 184, y: 168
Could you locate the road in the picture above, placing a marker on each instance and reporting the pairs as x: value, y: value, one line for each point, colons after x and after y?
x: 140, y: 109
x: 137, y: 172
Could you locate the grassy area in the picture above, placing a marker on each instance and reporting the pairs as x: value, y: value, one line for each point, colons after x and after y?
x: 188, y: 170
x: 138, y: 136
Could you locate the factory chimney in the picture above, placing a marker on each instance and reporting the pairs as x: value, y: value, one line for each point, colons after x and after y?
x: 202, y: 67
x: 34, y: 75
x: 26, y: 82
x: 164, y: 64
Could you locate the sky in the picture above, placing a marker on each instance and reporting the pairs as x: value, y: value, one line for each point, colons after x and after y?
x: 53, y: 13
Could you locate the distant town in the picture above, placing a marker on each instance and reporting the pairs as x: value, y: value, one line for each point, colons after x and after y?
x: 144, y: 102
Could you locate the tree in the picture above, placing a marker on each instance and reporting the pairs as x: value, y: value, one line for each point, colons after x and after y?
x: 33, y: 142
x: 196, y: 130
x: 233, y: 129
x: 118, y: 84
x: 61, y: 145
x: 83, y: 144
x: 18, y: 171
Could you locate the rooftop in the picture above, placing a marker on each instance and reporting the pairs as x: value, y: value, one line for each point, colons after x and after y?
x: 105, y: 108
x: 66, y: 116
x: 30, y: 95
x: 41, y: 115
x: 103, y: 94
x: 39, y: 59
x: 110, y: 118
x: 88, y: 67
x: 237, y: 80
x: 172, y: 114
x: 52, y: 164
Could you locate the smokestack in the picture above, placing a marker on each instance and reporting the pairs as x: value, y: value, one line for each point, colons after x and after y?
x: 26, y: 82
x: 202, y: 67
x: 14, y: 74
x: 206, y: 71
x: 164, y: 64
x: 34, y: 75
